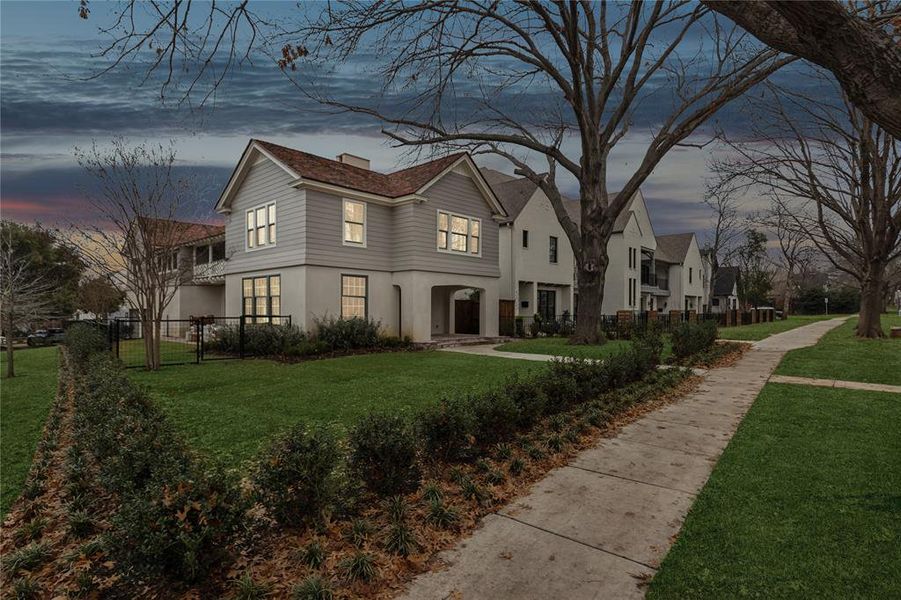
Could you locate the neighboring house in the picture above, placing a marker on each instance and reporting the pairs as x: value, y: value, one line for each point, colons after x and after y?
x: 725, y: 290
x: 629, y: 284
x: 678, y: 263
x: 201, y: 259
x: 536, y: 259
x: 311, y: 237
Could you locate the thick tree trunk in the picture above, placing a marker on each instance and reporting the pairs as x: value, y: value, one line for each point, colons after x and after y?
x: 592, y: 268
x: 869, y: 324
x: 787, y: 296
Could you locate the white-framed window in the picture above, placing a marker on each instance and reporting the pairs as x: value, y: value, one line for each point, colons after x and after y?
x: 260, y: 226
x: 354, y: 296
x: 459, y: 234
x: 354, y: 223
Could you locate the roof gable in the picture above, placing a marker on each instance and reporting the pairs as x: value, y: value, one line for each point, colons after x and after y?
x: 308, y: 168
x: 673, y: 248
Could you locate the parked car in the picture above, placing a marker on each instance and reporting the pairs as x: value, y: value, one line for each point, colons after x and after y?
x: 2, y: 342
x: 45, y: 337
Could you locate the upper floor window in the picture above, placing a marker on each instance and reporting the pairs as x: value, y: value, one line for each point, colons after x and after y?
x: 261, y: 226
x: 552, y: 249
x: 690, y: 274
x: 525, y: 238
x: 218, y: 250
x: 457, y: 233
x: 354, y: 223
x: 170, y: 261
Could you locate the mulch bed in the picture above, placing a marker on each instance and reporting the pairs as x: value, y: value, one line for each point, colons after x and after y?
x: 271, y: 555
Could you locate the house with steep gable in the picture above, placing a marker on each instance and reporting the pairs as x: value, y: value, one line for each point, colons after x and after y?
x: 312, y: 237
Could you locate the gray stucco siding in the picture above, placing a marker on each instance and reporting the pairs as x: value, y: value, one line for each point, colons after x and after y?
x: 266, y: 182
x: 415, y: 230
x: 325, y: 241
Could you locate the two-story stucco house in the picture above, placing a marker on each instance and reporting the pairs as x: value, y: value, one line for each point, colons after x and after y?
x: 678, y: 268
x: 312, y: 237
x: 536, y: 258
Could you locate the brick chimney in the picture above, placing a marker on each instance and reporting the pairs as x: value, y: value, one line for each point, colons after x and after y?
x: 354, y: 161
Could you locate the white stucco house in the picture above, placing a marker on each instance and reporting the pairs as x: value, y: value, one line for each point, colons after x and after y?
x: 536, y: 259
x: 312, y: 237
x: 725, y: 290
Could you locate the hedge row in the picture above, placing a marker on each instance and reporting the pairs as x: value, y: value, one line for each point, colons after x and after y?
x: 176, y: 514
x: 330, y: 335
x: 693, y: 338
x: 304, y: 473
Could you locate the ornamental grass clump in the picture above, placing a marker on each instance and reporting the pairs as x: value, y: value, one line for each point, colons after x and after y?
x: 296, y: 478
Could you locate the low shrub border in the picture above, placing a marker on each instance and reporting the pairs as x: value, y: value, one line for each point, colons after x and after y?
x: 331, y: 337
x: 362, y: 508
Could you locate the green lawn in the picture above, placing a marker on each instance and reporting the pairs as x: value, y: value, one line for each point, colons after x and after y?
x: 840, y: 355
x: 229, y: 408
x: 131, y: 352
x: 25, y: 401
x: 560, y: 346
x: 804, y: 503
x: 759, y: 331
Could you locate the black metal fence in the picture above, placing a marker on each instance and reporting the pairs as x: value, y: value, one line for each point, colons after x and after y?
x: 185, y: 341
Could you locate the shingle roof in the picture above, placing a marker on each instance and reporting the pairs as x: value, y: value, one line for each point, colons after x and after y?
x: 180, y: 233
x: 392, y: 185
x: 673, y: 248
x: 515, y: 192
x: 725, y: 280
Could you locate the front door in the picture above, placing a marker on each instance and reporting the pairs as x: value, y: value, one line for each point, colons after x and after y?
x: 547, y: 304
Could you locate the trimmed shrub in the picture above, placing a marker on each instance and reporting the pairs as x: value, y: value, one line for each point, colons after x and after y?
x: 348, y: 334
x: 530, y: 400
x: 295, y: 478
x: 84, y: 340
x: 178, y: 527
x: 496, y: 416
x: 446, y: 430
x: 383, y: 454
x: 692, y: 338
x: 261, y: 339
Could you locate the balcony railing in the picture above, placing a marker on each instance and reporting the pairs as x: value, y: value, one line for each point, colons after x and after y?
x: 209, y: 272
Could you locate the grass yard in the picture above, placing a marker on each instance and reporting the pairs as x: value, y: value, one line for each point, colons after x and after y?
x: 804, y: 503
x: 25, y: 402
x: 560, y: 346
x: 131, y: 352
x: 759, y: 331
x: 840, y: 355
x: 230, y: 408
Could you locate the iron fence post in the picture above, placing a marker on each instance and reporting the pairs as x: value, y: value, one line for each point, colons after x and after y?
x: 198, y: 340
x: 241, y: 338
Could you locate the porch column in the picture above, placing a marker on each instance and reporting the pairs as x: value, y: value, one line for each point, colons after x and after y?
x: 533, y: 301
x: 488, y: 311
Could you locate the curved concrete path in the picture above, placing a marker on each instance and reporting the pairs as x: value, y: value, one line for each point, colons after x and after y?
x: 599, y: 527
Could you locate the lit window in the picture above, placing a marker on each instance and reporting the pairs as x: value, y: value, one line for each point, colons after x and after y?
x: 262, y: 298
x: 261, y: 223
x: 442, y: 231
x: 353, y: 296
x: 459, y: 234
x: 354, y: 223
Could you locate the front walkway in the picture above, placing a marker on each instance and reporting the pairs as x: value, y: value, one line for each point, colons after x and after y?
x: 837, y: 383
x: 599, y: 526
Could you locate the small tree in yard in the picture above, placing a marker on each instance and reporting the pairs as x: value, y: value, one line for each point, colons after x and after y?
x: 454, y: 74
x: 838, y: 176
x: 25, y: 293
x: 135, y: 240
x: 755, y: 282
x: 100, y: 297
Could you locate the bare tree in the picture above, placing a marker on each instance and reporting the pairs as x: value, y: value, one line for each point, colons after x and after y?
x: 723, y: 241
x: 839, y: 174
x: 795, y: 251
x: 857, y: 41
x: 456, y: 75
x: 25, y: 294
x: 135, y: 239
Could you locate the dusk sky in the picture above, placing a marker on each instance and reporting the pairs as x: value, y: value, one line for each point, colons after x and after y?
x: 48, y: 108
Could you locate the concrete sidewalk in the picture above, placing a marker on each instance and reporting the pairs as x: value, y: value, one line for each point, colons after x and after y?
x: 599, y: 526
